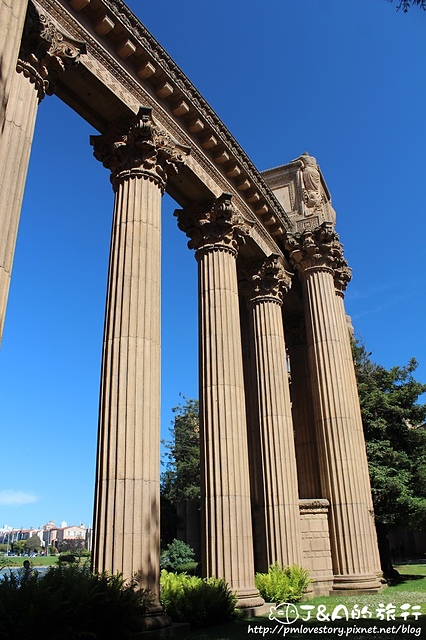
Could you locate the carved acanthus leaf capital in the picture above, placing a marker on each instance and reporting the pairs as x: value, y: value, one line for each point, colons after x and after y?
x: 46, y: 51
x: 264, y: 280
x: 137, y: 146
x: 213, y: 225
x: 319, y: 248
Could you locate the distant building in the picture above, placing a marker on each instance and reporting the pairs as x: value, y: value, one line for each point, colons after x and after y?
x: 50, y: 535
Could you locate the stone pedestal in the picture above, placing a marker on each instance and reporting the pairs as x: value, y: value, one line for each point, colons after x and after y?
x: 275, y: 499
x: 315, y: 254
x: 127, y: 500
x: 227, y: 540
x: 316, y: 544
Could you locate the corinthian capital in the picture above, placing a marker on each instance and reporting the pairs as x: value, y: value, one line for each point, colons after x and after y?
x: 46, y: 51
x: 137, y: 146
x: 265, y: 280
x: 319, y: 248
x: 213, y: 225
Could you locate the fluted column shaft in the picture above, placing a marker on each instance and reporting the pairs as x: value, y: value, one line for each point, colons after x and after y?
x: 314, y: 255
x: 15, y: 148
x: 363, y: 477
x: 12, y: 16
x: 225, y: 487
x: 276, y: 499
x: 127, y: 491
x: 127, y: 527
x: 333, y: 409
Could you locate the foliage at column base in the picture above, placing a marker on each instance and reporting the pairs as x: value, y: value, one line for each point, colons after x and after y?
x: 203, y: 602
x: 283, y: 584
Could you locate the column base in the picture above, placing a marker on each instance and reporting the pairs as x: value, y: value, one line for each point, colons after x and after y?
x: 249, y: 598
x: 156, y: 618
x: 344, y: 584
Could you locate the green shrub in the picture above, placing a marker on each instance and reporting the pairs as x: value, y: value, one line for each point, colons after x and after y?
x: 176, y: 554
x: 190, y: 568
x: 67, y: 557
x: 283, y: 584
x: 69, y: 603
x: 202, y: 602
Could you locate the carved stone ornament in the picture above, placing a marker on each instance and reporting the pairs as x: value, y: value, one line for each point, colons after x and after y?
x: 46, y: 51
x: 264, y: 280
x: 138, y: 147
x: 213, y: 225
x: 342, y: 276
x: 315, y: 249
x: 311, y: 185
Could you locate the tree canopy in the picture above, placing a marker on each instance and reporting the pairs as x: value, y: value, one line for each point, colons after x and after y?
x: 181, y: 480
x: 406, y: 4
x: 393, y: 422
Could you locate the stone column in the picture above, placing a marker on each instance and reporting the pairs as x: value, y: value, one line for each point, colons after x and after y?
x: 12, y: 16
x: 45, y: 53
x: 342, y: 276
x: 315, y: 254
x: 215, y: 230
x: 276, y: 503
x: 302, y: 410
x: 127, y: 492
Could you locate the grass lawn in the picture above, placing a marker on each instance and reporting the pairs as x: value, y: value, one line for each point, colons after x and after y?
x: 411, y: 590
x: 37, y: 561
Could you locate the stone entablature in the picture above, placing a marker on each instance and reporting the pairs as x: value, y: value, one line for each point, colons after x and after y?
x: 316, y: 544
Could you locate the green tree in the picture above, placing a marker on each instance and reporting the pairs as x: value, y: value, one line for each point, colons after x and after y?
x: 32, y: 544
x: 393, y: 422
x: 181, y: 479
x: 19, y: 547
x: 406, y: 4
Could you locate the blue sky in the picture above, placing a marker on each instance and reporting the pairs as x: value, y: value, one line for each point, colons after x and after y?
x: 341, y: 79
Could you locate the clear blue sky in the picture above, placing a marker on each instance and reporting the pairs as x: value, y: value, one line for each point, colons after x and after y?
x: 341, y: 79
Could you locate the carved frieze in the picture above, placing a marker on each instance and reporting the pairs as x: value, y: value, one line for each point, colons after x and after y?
x: 319, y: 248
x: 46, y: 51
x: 213, y: 225
x: 137, y: 146
x: 264, y: 280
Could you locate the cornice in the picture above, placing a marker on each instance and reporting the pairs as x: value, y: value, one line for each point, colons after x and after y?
x: 249, y: 181
x: 156, y: 51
